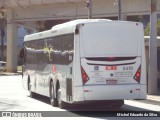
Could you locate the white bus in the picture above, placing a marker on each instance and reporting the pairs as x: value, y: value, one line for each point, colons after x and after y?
x: 86, y: 60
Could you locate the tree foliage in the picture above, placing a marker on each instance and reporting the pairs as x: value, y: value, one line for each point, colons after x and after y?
x: 3, y: 21
x: 147, y: 29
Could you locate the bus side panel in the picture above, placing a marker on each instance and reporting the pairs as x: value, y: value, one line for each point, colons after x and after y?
x: 25, y: 81
x: 77, y: 65
x: 78, y: 94
x: 63, y: 77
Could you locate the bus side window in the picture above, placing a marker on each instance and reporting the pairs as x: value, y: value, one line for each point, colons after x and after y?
x: 70, y: 47
x: 57, y: 50
x: 51, y: 46
x: 70, y: 43
x: 64, y: 54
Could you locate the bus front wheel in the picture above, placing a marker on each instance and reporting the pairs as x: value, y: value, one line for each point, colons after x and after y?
x: 31, y: 94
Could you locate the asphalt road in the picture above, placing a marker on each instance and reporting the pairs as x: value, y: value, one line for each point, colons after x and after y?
x: 14, y: 98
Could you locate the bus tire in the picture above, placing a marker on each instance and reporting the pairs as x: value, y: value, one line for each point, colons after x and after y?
x: 31, y: 94
x: 53, y: 100
x: 61, y: 104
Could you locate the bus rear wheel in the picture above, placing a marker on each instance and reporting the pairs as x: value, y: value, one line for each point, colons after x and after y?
x: 53, y: 100
x: 61, y: 104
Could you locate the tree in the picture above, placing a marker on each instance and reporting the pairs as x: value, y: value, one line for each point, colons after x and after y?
x: 135, y: 18
x: 147, y: 29
x: 2, y: 30
x: 40, y: 26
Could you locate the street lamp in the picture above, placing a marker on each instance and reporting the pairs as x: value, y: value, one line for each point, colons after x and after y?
x: 118, y: 2
x: 152, y: 74
x: 89, y: 6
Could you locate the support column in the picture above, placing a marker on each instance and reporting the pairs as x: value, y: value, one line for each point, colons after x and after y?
x: 152, y: 74
x: 123, y: 17
x: 11, y: 43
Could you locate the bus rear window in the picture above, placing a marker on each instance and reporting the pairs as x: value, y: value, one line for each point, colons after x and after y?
x: 115, y: 40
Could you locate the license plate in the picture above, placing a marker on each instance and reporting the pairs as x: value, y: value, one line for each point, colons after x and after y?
x: 111, y: 81
x: 111, y: 67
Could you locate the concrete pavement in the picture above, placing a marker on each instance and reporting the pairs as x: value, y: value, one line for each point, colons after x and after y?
x: 151, y: 99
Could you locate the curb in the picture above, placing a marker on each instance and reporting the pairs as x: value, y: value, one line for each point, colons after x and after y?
x: 9, y: 74
x: 148, y: 101
x: 153, y: 98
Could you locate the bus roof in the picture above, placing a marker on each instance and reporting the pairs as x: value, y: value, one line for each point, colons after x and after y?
x: 64, y: 28
x: 78, y: 21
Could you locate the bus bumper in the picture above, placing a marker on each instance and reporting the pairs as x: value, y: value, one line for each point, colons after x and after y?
x: 110, y: 92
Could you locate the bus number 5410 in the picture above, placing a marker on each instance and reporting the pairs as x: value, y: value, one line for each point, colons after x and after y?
x: 127, y: 68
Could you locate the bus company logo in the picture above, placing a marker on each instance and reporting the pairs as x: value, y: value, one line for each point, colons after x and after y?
x: 6, y: 114
x: 96, y: 68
